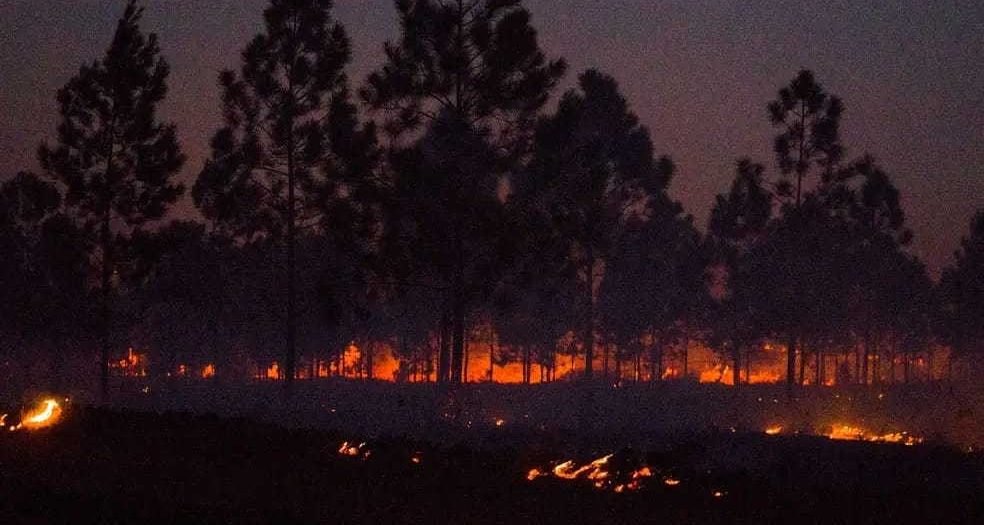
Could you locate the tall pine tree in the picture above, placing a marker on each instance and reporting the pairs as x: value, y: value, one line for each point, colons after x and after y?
x: 291, y: 152
x: 472, y: 65
x: 115, y: 159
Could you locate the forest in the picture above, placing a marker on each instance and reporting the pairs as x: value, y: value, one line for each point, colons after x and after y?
x: 454, y: 218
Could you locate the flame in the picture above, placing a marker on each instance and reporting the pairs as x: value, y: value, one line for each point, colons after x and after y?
x: 45, y: 415
x: 851, y: 433
x: 208, y: 371
x: 534, y: 473
x: 134, y: 364
x: 566, y: 470
x: 500, y: 422
x: 353, y: 450
x: 774, y: 430
x: 671, y: 482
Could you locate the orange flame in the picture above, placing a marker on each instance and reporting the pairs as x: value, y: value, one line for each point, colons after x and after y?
x: 847, y: 432
x: 45, y: 415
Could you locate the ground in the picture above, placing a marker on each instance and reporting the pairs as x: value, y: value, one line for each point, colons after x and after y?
x: 127, y: 466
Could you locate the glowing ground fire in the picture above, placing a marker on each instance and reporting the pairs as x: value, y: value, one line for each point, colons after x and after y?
x: 600, y: 473
x: 852, y: 433
x: 44, y: 415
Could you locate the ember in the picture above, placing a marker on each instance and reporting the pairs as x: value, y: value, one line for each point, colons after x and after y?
x: 774, y: 430
x: 354, y: 450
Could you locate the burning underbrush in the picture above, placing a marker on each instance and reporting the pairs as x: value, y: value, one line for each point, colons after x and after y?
x: 44, y: 413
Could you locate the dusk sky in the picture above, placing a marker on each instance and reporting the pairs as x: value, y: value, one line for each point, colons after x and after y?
x: 697, y: 72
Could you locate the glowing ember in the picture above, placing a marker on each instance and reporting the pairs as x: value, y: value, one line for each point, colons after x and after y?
x: 599, y: 472
x: 208, y: 371
x: 45, y: 415
x: 353, y: 450
x: 850, y: 433
x: 719, y: 494
x: 500, y: 422
x: 415, y: 458
x: 566, y: 470
x: 671, y: 482
x: 774, y: 430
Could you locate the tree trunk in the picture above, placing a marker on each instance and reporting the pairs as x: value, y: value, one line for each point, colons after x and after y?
x: 491, y: 359
x: 458, y: 341
x: 589, y: 329
x: 618, y: 364
x: 370, y: 351
x: 291, y: 284
x: 865, y: 358
x: 802, y: 364
x: 444, y: 356
x: 819, y: 372
x: 107, y: 274
x: 686, y: 358
x: 790, y: 365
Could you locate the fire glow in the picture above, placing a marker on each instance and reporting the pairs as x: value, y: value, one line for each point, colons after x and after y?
x: 354, y: 451
x: 46, y: 414
x: 852, y: 433
x: 599, y: 472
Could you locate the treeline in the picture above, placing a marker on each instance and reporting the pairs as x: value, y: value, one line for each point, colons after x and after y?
x: 445, y: 195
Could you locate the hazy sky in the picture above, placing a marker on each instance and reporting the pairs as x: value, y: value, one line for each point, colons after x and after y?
x: 697, y: 72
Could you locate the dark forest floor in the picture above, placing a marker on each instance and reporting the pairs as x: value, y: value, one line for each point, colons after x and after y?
x: 100, y: 466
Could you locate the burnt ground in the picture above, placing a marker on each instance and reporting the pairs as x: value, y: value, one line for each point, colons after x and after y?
x: 101, y: 466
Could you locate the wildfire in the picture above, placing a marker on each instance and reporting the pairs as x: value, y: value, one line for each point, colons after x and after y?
x: 599, y: 472
x: 208, y: 371
x: 500, y: 422
x: 850, y: 433
x: 774, y: 430
x: 44, y: 415
x: 354, y: 450
x: 671, y: 482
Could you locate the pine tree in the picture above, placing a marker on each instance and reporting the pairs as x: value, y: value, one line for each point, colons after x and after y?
x: 291, y: 154
x: 115, y: 159
x: 593, y: 169
x: 468, y: 64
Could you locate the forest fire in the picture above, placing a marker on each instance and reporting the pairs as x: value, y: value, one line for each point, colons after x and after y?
x: 601, y: 473
x: 773, y: 430
x: 351, y: 450
x: 852, y: 433
x: 47, y: 413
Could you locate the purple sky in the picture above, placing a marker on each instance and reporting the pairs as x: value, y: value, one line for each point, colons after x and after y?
x: 697, y: 72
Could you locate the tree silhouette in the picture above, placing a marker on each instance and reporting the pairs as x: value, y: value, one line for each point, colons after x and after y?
x: 739, y: 220
x: 809, y: 120
x: 961, y: 293
x: 593, y: 168
x: 473, y: 65
x: 654, y: 285
x: 113, y: 156
x: 291, y: 154
x: 44, y: 297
